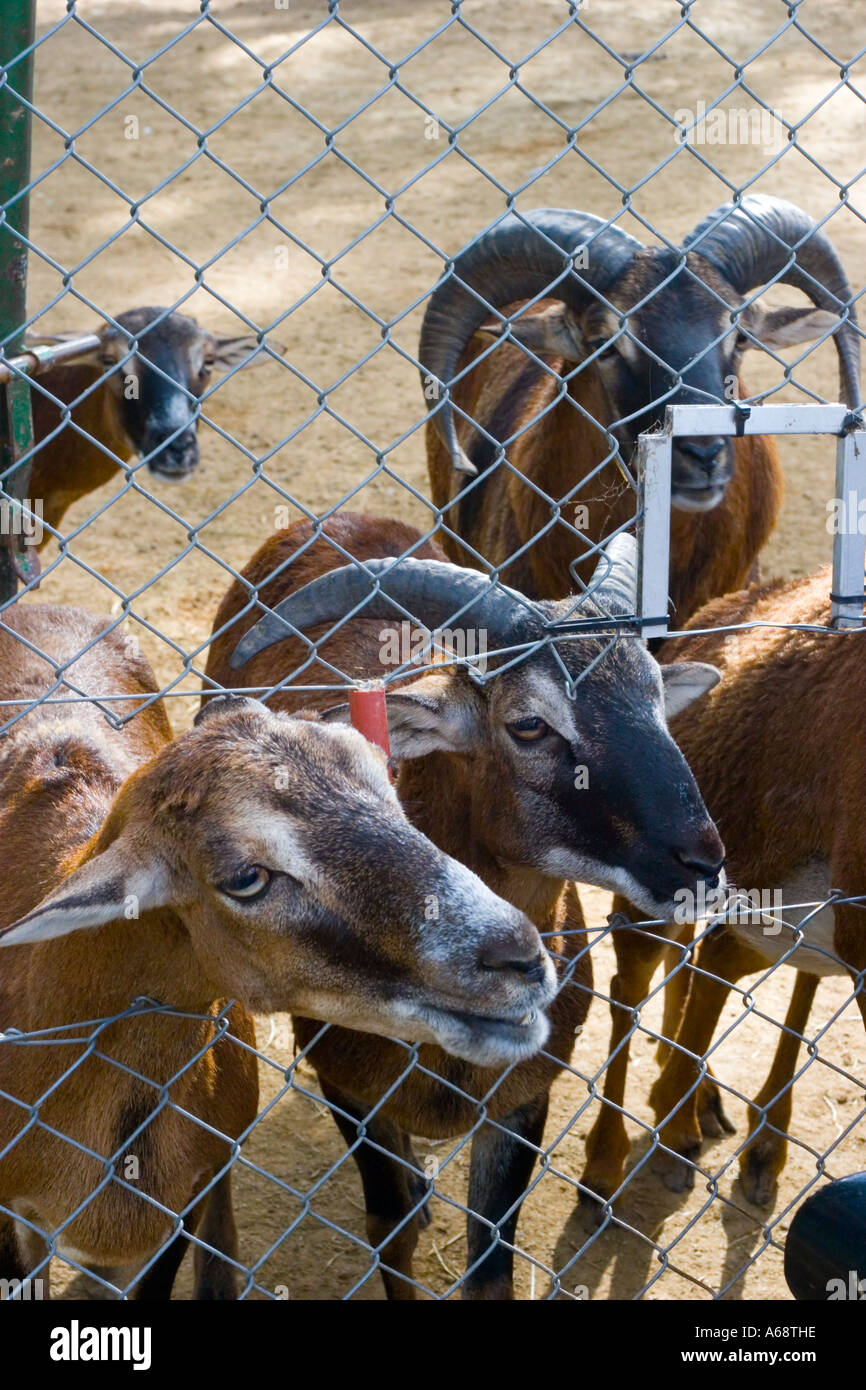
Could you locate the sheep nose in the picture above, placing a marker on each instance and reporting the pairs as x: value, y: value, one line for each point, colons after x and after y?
x: 184, y: 446
x: 506, y: 955
x: 705, y: 453
x: 708, y: 869
x: 180, y: 456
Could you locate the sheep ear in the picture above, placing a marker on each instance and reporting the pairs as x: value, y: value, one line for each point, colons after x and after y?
x: 108, y: 888
x: 552, y: 332
x: 214, y: 704
x: 424, y: 717
x: 229, y: 352
x: 685, y: 681
x: 337, y: 714
x: 780, y: 328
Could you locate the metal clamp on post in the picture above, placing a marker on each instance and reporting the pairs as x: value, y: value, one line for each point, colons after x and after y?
x: 849, y: 543
x: 742, y: 414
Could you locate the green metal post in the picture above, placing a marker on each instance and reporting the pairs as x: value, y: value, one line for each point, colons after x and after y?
x: 16, y: 426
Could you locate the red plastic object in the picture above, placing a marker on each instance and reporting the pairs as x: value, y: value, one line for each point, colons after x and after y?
x: 369, y: 715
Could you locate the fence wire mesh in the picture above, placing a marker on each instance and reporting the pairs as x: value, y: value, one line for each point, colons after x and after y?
x: 302, y: 179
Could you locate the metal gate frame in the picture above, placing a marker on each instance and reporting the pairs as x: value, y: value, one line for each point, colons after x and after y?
x: 654, y: 482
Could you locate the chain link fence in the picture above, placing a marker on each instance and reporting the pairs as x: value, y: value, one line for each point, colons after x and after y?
x: 323, y: 192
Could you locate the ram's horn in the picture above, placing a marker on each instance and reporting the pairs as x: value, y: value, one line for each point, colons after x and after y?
x: 752, y: 241
x: 521, y: 256
x: 432, y: 591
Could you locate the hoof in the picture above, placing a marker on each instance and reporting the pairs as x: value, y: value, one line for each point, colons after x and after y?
x: 677, y: 1170
x: 498, y: 1290
x: 591, y: 1200
x: 758, y: 1178
x: 711, y: 1113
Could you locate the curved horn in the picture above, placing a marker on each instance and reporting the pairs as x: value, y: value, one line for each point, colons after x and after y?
x: 616, y: 575
x: 612, y: 590
x: 755, y: 241
x: 431, y: 590
x: 518, y: 258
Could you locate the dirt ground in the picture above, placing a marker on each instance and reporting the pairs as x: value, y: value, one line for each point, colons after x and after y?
x: 175, y: 567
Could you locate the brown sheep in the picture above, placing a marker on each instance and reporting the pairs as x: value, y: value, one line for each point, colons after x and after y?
x: 121, y: 404
x: 790, y: 823
x: 194, y: 872
x: 488, y: 772
x: 588, y: 368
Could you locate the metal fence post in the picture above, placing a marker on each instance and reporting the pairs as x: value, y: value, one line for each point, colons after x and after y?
x: 16, y: 425
x: 849, y: 542
x: 369, y: 714
x: 654, y: 530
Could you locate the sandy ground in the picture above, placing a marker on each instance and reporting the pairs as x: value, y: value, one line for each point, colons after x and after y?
x: 350, y: 395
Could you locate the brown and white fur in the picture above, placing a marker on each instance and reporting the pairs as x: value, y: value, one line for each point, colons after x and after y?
x: 508, y: 809
x: 256, y: 857
x: 120, y: 404
x: 556, y: 436
x: 780, y: 755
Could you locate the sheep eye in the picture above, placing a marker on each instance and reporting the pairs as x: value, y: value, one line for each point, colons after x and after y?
x: 250, y: 882
x: 528, y: 730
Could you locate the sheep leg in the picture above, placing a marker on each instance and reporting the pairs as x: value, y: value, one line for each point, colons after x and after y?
x: 417, y: 1183
x: 607, y: 1146
x: 763, y: 1160
x: 15, y: 1265
x: 11, y: 1263
x: 217, y: 1278
x: 391, y: 1192
x: 711, y: 1112
x: 503, y: 1156
x: 722, y: 960
x: 22, y: 1251
x: 156, y: 1284
x: 675, y: 993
